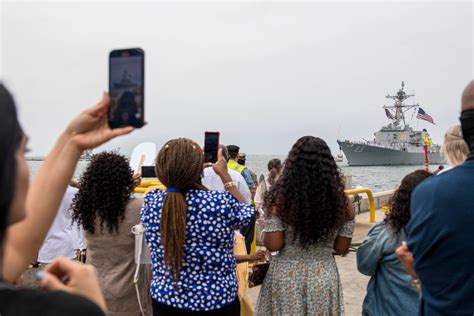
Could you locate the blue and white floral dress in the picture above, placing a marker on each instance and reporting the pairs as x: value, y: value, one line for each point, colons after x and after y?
x: 207, y: 279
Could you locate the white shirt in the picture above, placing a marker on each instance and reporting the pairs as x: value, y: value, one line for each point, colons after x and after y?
x: 213, y: 182
x: 63, y: 236
x: 259, y: 198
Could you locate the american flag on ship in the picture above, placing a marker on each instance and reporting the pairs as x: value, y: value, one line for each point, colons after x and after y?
x: 422, y: 115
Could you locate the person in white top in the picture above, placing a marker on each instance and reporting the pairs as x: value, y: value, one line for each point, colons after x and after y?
x: 64, y: 236
x: 212, y: 181
x: 274, y: 168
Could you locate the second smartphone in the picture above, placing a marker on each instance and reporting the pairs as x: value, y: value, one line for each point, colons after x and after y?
x: 211, y: 146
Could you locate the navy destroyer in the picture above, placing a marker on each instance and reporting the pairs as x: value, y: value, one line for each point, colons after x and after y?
x: 396, y: 143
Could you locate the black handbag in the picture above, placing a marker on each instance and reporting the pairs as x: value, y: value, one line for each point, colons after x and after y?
x: 259, y: 271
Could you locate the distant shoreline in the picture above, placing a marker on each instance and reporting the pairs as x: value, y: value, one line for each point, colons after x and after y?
x: 35, y: 158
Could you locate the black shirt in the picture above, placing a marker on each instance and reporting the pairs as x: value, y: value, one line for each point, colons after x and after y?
x: 22, y: 302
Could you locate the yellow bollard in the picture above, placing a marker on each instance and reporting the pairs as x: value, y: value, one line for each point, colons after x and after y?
x: 371, y: 200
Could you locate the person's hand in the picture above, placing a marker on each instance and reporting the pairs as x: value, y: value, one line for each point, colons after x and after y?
x: 73, y: 277
x: 91, y: 129
x: 220, y: 167
x: 406, y: 257
x: 137, y: 179
x: 19, y: 282
x: 258, y: 256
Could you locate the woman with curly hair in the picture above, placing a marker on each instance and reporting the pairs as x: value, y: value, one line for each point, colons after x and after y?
x: 308, y: 217
x: 390, y: 291
x: 106, y: 209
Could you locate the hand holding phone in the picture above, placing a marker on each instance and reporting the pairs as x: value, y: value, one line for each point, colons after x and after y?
x: 126, y: 88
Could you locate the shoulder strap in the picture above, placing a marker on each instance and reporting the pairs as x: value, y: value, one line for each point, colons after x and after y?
x: 138, y: 230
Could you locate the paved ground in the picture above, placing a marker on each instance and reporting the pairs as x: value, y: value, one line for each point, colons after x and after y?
x: 353, y: 283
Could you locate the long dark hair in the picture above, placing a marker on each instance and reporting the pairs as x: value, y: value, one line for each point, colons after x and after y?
x: 309, y: 195
x: 10, y: 139
x: 399, y: 214
x: 179, y: 165
x: 274, y: 168
x: 104, y: 192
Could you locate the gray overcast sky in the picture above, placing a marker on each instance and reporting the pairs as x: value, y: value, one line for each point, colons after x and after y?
x: 263, y: 74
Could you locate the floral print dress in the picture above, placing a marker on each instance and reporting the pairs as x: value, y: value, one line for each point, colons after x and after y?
x: 302, y: 281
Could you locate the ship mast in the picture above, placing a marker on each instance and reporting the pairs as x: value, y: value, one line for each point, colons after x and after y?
x: 399, y: 107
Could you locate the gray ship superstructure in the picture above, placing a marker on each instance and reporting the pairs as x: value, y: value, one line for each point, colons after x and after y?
x: 396, y: 143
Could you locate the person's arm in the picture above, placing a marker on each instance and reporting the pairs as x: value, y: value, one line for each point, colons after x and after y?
x: 371, y: 252
x: 248, y: 178
x: 274, y: 232
x: 344, y: 237
x: 274, y: 241
x: 243, y: 188
x: 342, y: 245
x: 258, y: 198
x: 406, y: 257
x: 257, y: 256
x: 253, y: 192
x: 220, y: 167
x: 88, y: 130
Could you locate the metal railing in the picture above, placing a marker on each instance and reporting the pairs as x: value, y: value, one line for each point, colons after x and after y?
x: 370, y: 196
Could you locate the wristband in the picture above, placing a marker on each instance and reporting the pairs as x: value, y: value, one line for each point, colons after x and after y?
x: 230, y: 185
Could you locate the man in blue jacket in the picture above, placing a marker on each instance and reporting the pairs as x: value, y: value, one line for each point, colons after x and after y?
x: 441, y: 232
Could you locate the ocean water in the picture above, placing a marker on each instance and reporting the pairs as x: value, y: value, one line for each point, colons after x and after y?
x: 376, y: 178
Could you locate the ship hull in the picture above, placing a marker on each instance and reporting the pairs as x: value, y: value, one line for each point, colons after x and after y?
x: 367, y: 155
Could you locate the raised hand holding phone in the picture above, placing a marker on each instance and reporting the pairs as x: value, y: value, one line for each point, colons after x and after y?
x: 220, y: 167
x: 90, y: 129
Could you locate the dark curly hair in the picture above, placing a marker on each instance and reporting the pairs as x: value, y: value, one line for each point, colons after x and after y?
x: 399, y: 214
x: 104, y: 192
x: 309, y: 195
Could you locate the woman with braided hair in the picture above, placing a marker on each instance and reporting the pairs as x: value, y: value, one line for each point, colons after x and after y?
x: 190, y: 233
x: 308, y: 217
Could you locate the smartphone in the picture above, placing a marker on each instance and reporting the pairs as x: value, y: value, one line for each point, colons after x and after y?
x: 148, y: 172
x: 127, y: 87
x: 211, y: 146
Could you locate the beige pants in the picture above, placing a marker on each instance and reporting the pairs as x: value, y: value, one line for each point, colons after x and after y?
x: 246, y: 308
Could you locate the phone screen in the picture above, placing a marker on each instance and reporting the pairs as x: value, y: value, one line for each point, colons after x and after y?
x: 211, y: 146
x: 126, y: 87
x: 148, y: 172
